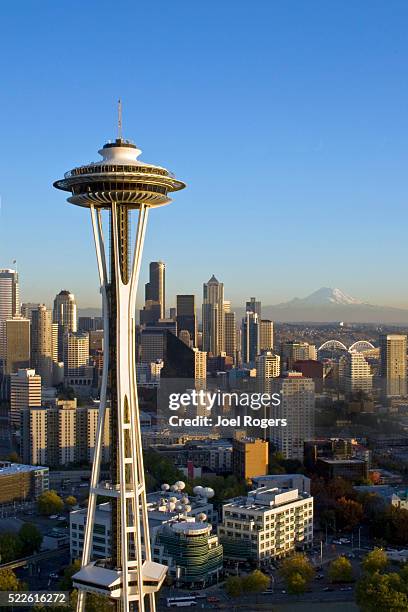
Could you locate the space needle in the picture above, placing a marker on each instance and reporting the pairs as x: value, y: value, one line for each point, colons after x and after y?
x: 122, y: 185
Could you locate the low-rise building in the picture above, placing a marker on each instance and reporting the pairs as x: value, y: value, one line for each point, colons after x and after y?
x: 350, y: 469
x: 250, y: 457
x: 269, y: 523
x: 180, y: 534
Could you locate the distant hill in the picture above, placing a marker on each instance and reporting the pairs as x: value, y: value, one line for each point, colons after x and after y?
x: 89, y: 312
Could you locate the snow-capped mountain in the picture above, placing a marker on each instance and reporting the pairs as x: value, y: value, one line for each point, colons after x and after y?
x: 330, y: 305
x: 324, y: 296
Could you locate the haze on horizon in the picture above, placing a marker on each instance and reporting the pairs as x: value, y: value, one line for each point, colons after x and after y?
x: 287, y: 121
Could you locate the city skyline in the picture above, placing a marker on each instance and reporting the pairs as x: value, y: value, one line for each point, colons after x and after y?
x: 274, y: 122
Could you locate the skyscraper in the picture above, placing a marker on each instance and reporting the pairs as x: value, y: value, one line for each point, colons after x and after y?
x: 155, y: 294
x: 9, y: 303
x: 186, y: 316
x: 25, y: 392
x: 17, y: 344
x: 213, y: 317
x: 76, y: 353
x: 231, y: 335
x: 41, y: 343
x: 120, y: 183
x: 254, y: 306
x: 355, y: 373
x: 393, y: 363
x: 250, y: 337
x: 266, y: 335
x: 65, y: 314
x: 297, y: 395
x: 267, y: 368
x: 27, y: 309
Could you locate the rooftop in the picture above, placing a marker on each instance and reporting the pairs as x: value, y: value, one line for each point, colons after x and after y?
x: 7, y: 468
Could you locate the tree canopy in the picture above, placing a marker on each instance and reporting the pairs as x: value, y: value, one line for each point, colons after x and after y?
x: 341, y: 570
x: 297, y: 572
x: 50, y: 502
x: 375, y: 561
x: 30, y: 539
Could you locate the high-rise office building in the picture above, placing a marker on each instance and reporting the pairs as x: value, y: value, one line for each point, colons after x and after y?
x: 76, y: 353
x: 200, y: 367
x: 9, y: 303
x: 297, y: 406
x: 25, y: 392
x: 267, y: 368
x: 17, y: 344
x: 266, y: 335
x: 355, y: 373
x: 213, y: 317
x: 254, y: 306
x: 27, y: 309
x: 186, y: 316
x: 250, y: 337
x: 231, y: 335
x: 155, y: 294
x: 65, y: 314
x: 41, y: 343
x: 393, y: 363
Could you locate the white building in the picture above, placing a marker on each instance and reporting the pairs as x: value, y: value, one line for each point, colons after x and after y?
x: 297, y: 394
x: 269, y: 523
x: 355, y: 373
x: 267, y: 368
x: 9, y: 303
x: 25, y: 392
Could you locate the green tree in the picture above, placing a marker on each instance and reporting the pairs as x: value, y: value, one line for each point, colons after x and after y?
x: 70, y: 501
x: 381, y: 593
x: 255, y: 582
x: 296, y: 583
x: 30, y: 539
x: 375, y: 561
x: 297, y: 564
x: 9, y: 581
x: 341, y: 570
x: 233, y: 586
x: 50, y: 502
x: 10, y: 547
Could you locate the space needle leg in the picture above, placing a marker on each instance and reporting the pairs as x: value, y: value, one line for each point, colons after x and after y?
x: 96, y: 464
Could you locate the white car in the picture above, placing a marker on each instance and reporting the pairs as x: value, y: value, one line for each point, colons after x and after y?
x: 53, y: 516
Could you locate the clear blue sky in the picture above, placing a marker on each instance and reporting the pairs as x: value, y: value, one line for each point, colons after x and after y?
x: 288, y: 119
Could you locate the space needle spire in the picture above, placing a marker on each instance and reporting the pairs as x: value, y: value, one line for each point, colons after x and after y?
x: 120, y: 185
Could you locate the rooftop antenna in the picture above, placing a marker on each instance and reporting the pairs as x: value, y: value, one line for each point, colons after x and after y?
x: 120, y: 119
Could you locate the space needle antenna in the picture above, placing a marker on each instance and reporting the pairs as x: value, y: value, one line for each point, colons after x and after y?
x: 120, y: 119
